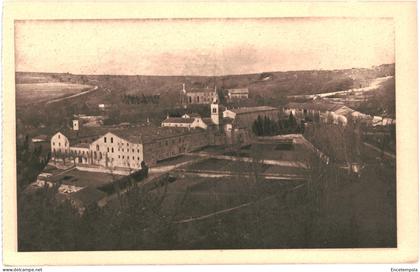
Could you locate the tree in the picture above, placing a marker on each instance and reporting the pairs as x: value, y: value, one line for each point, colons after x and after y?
x: 292, y: 123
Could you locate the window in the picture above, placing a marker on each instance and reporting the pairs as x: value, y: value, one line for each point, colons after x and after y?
x: 123, y: 157
x: 59, y: 144
x: 214, y: 110
x: 119, y: 156
x: 127, y: 144
x: 104, y: 139
x: 132, y: 150
x: 138, y: 150
x: 138, y: 158
x: 59, y: 136
x: 107, y: 149
x: 112, y: 140
x: 112, y: 150
x: 133, y: 157
x: 53, y: 144
x: 97, y: 147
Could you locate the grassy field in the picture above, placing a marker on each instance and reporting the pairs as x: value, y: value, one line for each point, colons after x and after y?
x: 235, y: 213
x: 28, y: 93
x: 226, y: 165
x: 84, y: 178
x: 191, y: 197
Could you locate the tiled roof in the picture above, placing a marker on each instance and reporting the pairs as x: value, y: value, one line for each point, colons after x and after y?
x: 228, y: 120
x: 323, y: 106
x: 82, y: 145
x: 136, y: 134
x: 326, y: 106
x: 193, y: 115
x: 238, y: 90
x: 85, y: 132
x: 252, y: 109
x: 166, y: 132
x: 41, y: 137
x: 200, y: 90
x: 208, y: 121
x: 179, y: 120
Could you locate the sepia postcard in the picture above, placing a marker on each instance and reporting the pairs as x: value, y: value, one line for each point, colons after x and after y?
x: 204, y: 133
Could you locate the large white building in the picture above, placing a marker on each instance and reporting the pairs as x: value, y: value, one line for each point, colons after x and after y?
x: 124, y: 148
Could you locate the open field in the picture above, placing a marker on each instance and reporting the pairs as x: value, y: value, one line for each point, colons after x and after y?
x: 193, y: 197
x: 28, y: 93
x: 264, y: 149
x: 84, y: 178
x: 238, y: 213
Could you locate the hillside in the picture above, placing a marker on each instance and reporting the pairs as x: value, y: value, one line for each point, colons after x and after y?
x: 160, y: 95
x: 264, y: 84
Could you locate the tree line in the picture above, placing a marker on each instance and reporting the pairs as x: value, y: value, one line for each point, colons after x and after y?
x: 30, y: 161
x: 265, y: 126
x: 140, y: 99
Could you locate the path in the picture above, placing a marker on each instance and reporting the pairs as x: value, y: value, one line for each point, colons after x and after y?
x: 198, y: 218
x: 373, y: 86
x: 388, y: 154
x: 244, y: 159
x: 221, y: 174
x: 72, y: 96
x: 168, y: 168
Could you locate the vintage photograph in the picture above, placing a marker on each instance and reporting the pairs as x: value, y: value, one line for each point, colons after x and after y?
x: 205, y: 133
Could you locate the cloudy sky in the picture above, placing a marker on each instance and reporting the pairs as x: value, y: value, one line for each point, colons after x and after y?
x: 201, y: 46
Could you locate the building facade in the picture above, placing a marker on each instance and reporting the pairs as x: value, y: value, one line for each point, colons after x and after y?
x: 198, y: 95
x: 240, y: 93
x: 124, y: 149
x: 325, y: 112
x: 186, y: 121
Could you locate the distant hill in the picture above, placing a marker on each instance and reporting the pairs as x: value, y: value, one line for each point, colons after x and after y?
x: 266, y: 88
x: 266, y: 83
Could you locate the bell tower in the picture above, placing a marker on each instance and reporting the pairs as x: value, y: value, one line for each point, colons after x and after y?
x: 75, y: 124
x: 215, y: 117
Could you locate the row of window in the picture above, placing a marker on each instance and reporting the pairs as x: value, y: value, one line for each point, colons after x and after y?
x: 59, y: 143
x: 112, y: 140
x: 123, y: 150
x: 128, y: 157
